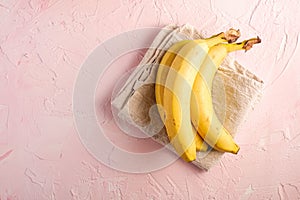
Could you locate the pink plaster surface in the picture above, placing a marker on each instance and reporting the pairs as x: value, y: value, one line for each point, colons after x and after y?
x: 42, y: 46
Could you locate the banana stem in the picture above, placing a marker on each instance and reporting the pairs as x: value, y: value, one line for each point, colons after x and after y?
x: 232, y: 35
x: 246, y: 44
x: 229, y: 36
x: 218, y: 53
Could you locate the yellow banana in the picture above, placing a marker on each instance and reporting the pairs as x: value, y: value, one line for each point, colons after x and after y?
x: 203, y: 116
x: 178, y: 90
x: 160, y: 81
x: 162, y: 72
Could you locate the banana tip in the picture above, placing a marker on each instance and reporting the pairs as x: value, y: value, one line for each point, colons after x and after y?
x: 259, y: 40
x: 232, y: 35
x: 249, y: 43
x: 237, y: 150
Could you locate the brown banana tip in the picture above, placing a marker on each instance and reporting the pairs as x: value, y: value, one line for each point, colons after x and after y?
x: 232, y: 35
x: 249, y: 43
x: 236, y: 152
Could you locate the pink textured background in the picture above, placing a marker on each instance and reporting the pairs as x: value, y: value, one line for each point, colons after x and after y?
x: 42, y: 46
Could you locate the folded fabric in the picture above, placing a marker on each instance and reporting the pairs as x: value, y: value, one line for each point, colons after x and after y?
x: 235, y: 91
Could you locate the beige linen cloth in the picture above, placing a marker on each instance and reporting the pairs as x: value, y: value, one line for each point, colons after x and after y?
x: 235, y: 91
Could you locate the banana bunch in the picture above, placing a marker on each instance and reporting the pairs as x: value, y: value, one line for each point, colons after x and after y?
x: 183, y: 93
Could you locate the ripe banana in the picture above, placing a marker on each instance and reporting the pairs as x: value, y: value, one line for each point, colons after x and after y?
x: 159, y: 88
x: 178, y: 90
x: 162, y: 72
x: 203, y: 116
